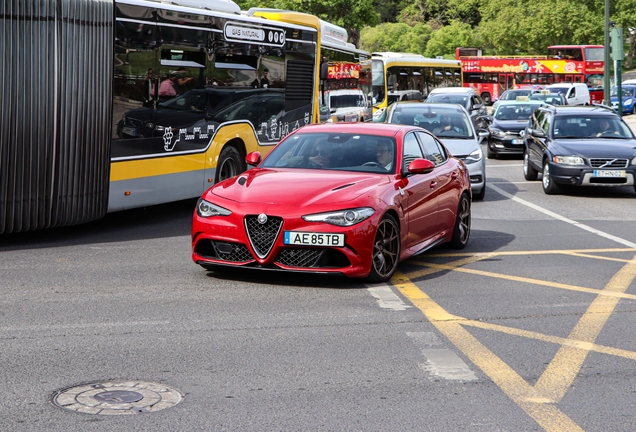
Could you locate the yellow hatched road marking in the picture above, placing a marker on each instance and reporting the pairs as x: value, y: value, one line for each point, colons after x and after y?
x: 538, y: 400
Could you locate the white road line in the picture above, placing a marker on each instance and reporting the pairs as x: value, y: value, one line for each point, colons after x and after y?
x: 444, y: 363
x: 507, y: 165
x: 387, y: 299
x: 562, y: 218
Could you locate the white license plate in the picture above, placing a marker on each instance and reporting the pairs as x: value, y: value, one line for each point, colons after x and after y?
x: 130, y: 131
x: 609, y: 173
x: 313, y: 239
x: 517, y: 141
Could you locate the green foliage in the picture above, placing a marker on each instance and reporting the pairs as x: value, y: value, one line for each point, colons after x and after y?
x: 396, y: 37
x: 446, y: 39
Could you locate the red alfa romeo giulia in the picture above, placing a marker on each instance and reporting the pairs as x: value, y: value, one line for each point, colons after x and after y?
x: 349, y: 198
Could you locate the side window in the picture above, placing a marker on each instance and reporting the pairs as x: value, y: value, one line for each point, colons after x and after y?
x: 435, y: 151
x: 412, y: 150
x: 537, y: 118
x: 545, y: 124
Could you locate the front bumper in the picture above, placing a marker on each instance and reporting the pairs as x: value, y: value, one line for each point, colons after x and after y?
x: 584, y: 176
x: 510, y: 144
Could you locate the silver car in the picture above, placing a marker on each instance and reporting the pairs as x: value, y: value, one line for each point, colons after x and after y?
x: 454, y: 128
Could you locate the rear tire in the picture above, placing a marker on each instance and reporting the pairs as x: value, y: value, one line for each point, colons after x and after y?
x: 549, y: 186
x: 528, y: 171
x: 486, y: 98
x: 461, y: 230
x: 386, y: 250
x: 230, y: 164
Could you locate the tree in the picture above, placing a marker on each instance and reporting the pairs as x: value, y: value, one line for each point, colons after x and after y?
x: 395, y: 37
x: 444, y: 41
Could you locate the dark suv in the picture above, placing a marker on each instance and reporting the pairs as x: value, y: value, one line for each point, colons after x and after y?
x: 579, y: 146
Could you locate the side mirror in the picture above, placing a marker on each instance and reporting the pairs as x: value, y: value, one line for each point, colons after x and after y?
x: 253, y: 158
x: 421, y: 166
x: 324, y: 71
x: 538, y: 133
x: 483, y: 133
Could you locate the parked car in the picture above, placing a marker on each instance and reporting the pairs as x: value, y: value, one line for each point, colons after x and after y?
x: 579, y: 146
x: 464, y: 96
x: 452, y: 125
x: 575, y: 93
x: 371, y: 195
x: 629, y: 98
x: 512, y: 94
x: 346, y: 105
x: 507, y: 126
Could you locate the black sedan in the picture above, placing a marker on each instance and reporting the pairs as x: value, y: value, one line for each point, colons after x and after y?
x: 507, y: 127
x: 579, y: 146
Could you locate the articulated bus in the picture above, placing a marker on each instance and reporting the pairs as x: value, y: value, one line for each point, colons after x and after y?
x: 345, y: 71
x: 400, y: 76
x: 117, y: 104
x: 490, y: 76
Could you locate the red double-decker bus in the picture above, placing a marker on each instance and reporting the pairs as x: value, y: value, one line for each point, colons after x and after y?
x: 492, y: 75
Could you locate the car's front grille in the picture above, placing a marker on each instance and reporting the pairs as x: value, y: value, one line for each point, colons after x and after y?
x: 608, y: 163
x: 299, y: 257
x: 262, y: 235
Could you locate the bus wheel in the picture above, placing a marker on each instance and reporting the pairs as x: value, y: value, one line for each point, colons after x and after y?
x: 486, y: 98
x: 230, y: 164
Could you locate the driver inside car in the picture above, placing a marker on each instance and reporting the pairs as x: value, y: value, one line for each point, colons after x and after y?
x: 384, y: 153
x: 446, y: 124
x: 605, y: 129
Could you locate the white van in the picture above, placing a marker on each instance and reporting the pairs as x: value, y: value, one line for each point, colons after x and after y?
x: 574, y: 93
x: 346, y: 105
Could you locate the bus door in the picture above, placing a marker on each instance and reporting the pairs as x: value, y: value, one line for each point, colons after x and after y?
x: 506, y: 81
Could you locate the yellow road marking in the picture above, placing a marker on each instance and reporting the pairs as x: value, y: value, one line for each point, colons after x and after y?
x: 524, y: 395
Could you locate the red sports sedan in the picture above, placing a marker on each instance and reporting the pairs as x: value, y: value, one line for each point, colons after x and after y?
x: 348, y: 198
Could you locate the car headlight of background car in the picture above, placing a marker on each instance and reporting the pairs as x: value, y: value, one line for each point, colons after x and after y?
x: 634, y: 161
x: 497, y: 132
x: 474, y: 157
x: 628, y: 102
x: 207, y: 209
x: 343, y: 217
x: 568, y: 160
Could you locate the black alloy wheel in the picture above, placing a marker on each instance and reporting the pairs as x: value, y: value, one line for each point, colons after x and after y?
x: 230, y: 164
x: 386, y: 250
x: 461, y: 231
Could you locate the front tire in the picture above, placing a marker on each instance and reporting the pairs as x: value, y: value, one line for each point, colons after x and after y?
x: 461, y: 230
x: 489, y: 153
x: 486, y: 98
x: 549, y: 186
x: 386, y: 250
x: 230, y: 164
x: 528, y: 171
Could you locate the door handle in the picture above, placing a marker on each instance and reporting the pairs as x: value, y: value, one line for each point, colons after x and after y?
x: 433, y: 184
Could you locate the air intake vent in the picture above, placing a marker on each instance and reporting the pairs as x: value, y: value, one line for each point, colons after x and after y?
x: 300, y: 84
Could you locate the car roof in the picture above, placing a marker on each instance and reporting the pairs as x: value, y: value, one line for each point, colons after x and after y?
x: 366, y: 128
x: 452, y: 90
x: 581, y: 110
x: 414, y: 105
x: 519, y: 102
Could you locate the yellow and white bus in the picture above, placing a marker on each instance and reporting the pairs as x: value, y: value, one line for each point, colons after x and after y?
x: 404, y: 76
x: 136, y: 103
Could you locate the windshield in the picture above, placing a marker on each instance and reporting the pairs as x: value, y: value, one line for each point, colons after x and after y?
x: 515, y: 111
x: 448, y: 122
x: 335, y: 152
x: 610, y: 126
x: 448, y: 98
x: 594, y: 54
x: 626, y: 91
x: 378, y: 82
x: 346, y: 101
x: 512, y: 94
x: 552, y: 98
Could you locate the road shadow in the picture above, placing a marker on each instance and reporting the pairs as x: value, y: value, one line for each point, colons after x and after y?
x: 160, y: 221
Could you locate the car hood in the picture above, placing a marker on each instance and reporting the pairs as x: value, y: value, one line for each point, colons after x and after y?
x: 592, y: 148
x: 460, y: 147
x: 510, y: 125
x: 297, y: 187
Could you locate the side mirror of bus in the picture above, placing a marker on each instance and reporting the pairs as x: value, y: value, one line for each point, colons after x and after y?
x: 324, y: 70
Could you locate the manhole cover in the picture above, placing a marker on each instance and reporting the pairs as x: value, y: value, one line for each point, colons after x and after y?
x: 117, y: 397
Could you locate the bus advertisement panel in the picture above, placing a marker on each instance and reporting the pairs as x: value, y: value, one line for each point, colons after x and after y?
x: 490, y: 76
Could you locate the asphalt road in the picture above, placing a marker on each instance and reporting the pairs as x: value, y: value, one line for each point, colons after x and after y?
x: 529, y: 328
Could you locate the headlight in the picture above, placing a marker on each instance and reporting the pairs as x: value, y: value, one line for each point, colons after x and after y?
x: 159, y: 127
x: 568, y: 160
x: 628, y: 102
x: 497, y: 132
x: 474, y: 156
x: 207, y: 209
x: 342, y: 217
x: 634, y: 161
